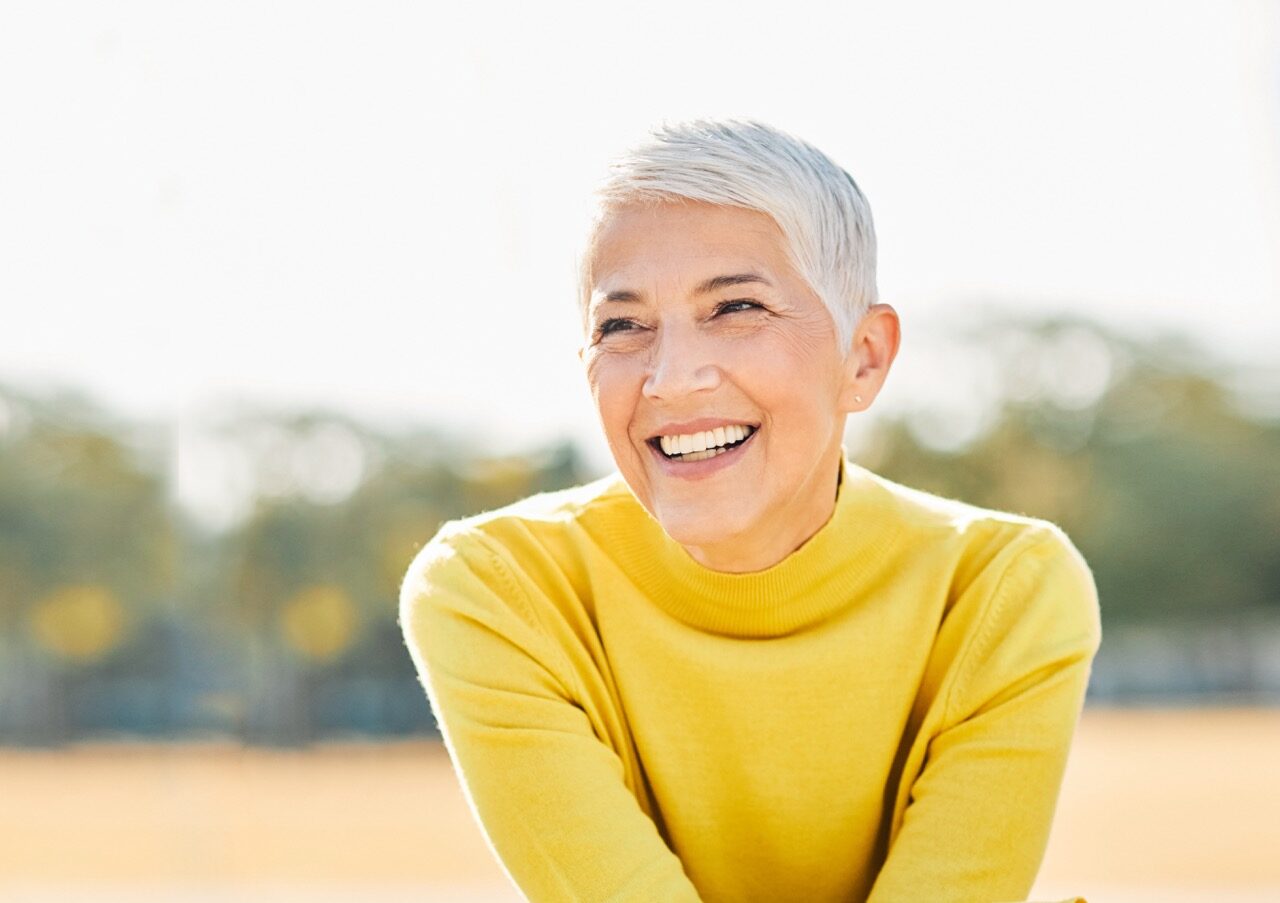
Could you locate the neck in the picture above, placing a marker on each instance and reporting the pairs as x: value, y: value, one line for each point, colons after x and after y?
x: 788, y: 531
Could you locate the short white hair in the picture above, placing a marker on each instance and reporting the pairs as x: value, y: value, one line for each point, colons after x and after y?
x: 820, y: 210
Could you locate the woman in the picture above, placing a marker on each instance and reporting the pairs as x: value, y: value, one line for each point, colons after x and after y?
x: 742, y: 667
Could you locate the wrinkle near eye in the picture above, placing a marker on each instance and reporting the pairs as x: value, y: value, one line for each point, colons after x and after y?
x: 805, y: 335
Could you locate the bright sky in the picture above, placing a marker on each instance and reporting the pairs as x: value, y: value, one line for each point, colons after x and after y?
x: 373, y: 206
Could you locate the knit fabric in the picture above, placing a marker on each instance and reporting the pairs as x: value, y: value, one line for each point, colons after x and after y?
x: 883, y: 715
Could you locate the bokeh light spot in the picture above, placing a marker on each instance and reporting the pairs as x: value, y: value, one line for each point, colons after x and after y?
x: 81, y: 622
x: 319, y: 622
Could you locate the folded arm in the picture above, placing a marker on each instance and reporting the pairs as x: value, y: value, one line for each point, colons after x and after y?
x: 548, y: 793
x: 978, y: 820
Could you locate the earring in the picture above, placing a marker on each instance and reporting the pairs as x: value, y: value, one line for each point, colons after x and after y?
x: 858, y: 399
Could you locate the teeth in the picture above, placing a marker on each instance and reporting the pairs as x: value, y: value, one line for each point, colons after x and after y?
x: 703, y: 444
x: 702, y: 455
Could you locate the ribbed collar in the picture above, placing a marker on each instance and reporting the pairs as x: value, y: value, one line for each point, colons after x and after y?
x: 822, y: 576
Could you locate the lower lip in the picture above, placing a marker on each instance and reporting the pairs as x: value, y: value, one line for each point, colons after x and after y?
x: 698, y: 470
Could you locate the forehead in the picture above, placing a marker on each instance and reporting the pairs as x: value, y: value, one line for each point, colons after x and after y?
x: 682, y: 239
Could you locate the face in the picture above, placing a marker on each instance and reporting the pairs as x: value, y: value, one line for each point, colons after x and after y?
x: 700, y: 331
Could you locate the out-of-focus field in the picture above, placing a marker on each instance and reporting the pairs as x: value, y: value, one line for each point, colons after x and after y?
x: 1158, y: 805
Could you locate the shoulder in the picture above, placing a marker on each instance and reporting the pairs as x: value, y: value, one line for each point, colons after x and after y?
x: 500, y: 544
x: 514, y: 574
x: 1021, y: 599
x: 926, y: 517
x: 990, y: 553
x: 929, y: 512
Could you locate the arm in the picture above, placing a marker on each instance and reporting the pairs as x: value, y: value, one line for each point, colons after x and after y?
x: 549, y: 795
x: 977, y: 824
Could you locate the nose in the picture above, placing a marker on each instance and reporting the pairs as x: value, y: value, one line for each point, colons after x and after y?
x: 680, y: 363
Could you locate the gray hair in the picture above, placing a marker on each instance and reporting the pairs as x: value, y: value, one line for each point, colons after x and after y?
x: 818, y: 207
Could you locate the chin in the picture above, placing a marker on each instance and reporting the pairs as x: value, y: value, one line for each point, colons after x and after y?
x: 701, y: 528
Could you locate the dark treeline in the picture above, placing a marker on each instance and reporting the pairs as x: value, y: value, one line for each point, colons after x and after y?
x: 123, y: 612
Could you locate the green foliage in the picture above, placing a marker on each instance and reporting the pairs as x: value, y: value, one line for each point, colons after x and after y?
x: 82, y: 501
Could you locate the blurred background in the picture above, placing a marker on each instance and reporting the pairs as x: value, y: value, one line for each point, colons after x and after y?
x: 282, y: 287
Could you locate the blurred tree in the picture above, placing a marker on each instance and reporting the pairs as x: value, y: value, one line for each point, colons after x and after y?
x: 88, y: 552
x: 1171, y: 491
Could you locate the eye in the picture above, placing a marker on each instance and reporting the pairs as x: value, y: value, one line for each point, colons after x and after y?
x: 615, y: 324
x: 727, y: 306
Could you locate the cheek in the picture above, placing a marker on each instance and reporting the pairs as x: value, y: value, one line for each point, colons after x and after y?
x: 787, y: 374
x: 615, y: 387
x: 767, y: 363
x: 808, y: 343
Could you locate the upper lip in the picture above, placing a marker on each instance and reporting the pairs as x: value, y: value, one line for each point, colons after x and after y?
x: 697, y: 426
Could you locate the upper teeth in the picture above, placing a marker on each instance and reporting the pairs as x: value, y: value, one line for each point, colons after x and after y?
x: 685, y: 443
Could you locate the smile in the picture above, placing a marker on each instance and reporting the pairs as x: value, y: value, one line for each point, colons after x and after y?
x: 703, y: 463
x: 702, y: 445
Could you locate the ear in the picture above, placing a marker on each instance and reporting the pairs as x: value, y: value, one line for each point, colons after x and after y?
x: 871, y: 353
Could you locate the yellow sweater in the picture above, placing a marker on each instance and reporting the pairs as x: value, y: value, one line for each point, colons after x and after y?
x: 884, y: 715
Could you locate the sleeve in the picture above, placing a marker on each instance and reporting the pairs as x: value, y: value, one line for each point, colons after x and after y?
x: 977, y: 822
x: 548, y: 794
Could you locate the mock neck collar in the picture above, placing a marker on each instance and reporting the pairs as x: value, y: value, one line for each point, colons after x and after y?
x: 817, y: 579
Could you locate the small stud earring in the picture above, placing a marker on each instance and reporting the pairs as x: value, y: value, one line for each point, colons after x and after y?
x: 858, y: 398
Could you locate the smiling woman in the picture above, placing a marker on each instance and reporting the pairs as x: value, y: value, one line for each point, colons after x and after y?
x: 741, y: 666
x: 696, y: 310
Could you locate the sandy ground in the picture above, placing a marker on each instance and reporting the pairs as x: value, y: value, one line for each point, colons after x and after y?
x: 1158, y: 805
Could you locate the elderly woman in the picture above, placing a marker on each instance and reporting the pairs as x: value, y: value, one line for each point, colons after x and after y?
x: 742, y: 667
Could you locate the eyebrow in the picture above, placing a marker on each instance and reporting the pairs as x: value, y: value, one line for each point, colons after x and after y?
x: 710, y: 285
